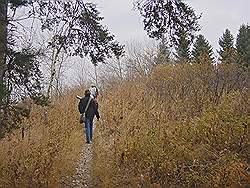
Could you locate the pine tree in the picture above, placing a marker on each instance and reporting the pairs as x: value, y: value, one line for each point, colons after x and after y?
x: 163, y: 53
x: 227, y: 52
x: 202, y: 51
x: 3, y: 46
x: 243, y: 45
x: 79, y: 32
x: 164, y: 18
x: 183, y: 47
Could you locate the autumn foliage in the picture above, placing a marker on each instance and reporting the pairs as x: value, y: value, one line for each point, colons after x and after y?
x: 46, y: 152
x: 181, y: 125
x: 184, y: 125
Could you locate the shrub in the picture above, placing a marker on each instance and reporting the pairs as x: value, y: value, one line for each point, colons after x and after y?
x: 184, y: 125
x: 46, y: 153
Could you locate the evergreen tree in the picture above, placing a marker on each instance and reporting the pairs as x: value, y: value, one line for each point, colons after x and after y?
x: 227, y: 52
x: 243, y: 45
x: 183, y: 47
x: 164, y: 18
x: 202, y: 51
x: 3, y: 47
x: 80, y: 33
x: 163, y: 53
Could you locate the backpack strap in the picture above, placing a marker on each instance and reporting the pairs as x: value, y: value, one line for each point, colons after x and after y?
x: 87, y: 105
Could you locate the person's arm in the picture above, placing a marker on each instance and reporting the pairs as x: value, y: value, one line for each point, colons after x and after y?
x: 80, y: 106
x: 96, y: 110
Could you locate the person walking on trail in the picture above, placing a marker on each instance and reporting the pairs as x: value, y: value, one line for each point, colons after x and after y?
x: 89, y: 107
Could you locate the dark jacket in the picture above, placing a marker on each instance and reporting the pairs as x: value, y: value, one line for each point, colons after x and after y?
x: 92, y: 109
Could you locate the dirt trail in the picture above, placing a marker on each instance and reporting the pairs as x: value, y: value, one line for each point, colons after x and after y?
x: 82, y: 177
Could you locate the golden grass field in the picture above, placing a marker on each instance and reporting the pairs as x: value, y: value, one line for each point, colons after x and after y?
x: 48, y: 154
x: 184, y: 125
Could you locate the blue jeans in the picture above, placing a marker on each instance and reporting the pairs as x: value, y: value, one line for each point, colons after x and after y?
x: 89, y: 130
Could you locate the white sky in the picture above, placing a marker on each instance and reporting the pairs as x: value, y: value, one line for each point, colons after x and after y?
x: 121, y: 18
x: 126, y: 24
x: 217, y: 15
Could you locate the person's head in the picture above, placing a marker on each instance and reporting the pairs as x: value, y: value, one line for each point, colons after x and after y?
x: 87, y: 92
x: 94, y: 91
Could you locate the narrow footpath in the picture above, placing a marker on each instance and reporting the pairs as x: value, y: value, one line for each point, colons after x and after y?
x: 82, y: 178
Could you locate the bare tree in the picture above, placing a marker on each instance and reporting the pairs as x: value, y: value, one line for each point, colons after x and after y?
x: 84, y: 72
x: 141, y: 58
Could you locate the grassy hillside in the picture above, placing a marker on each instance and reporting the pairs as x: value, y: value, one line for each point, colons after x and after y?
x: 184, y: 125
x: 48, y: 153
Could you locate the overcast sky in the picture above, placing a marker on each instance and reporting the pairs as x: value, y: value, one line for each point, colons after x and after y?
x: 217, y: 15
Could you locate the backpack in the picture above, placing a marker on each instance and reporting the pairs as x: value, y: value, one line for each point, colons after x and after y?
x: 82, y: 116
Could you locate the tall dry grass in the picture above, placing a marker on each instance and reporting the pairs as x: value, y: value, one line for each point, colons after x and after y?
x: 47, y: 155
x: 184, y: 125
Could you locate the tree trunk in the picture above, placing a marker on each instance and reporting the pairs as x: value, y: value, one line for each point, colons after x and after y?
x: 53, y: 70
x: 3, y: 45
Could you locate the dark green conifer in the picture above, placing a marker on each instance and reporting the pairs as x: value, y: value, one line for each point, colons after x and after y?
x: 183, y: 47
x: 163, y: 53
x: 243, y: 45
x: 202, y: 51
x: 227, y: 51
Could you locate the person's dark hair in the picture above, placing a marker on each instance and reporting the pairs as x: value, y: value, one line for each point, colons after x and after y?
x: 87, y: 92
